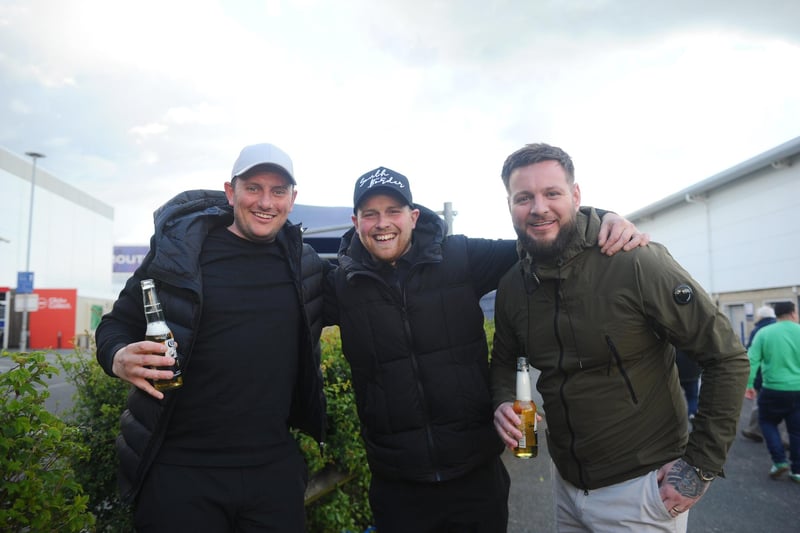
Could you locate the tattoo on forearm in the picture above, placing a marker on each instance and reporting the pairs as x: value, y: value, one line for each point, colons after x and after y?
x: 685, y: 480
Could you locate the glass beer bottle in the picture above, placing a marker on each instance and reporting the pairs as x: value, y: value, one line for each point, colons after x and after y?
x: 158, y: 331
x: 528, y: 445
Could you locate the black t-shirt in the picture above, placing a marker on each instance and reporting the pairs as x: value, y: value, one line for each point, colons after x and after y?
x: 234, y: 404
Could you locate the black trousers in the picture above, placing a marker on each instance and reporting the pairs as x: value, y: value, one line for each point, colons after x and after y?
x: 193, y: 499
x: 474, y: 503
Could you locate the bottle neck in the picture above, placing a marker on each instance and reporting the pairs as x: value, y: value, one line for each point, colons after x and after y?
x: 152, y: 307
x: 523, y: 386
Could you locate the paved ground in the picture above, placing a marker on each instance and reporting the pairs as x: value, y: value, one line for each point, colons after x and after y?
x: 747, y: 500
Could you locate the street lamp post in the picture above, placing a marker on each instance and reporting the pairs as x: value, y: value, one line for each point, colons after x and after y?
x: 23, y: 344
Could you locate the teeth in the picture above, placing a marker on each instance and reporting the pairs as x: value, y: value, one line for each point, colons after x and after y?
x: 263, y: 215
x: 384, y: 237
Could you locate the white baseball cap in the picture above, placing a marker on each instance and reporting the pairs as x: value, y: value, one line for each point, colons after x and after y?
x: 263, y: 154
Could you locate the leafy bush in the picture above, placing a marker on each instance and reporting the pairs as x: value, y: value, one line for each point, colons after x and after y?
x: 38, y: 489
x: 98, y: 403
x: 346, y: 507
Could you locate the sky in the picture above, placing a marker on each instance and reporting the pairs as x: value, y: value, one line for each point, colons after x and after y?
x: 134, y: 102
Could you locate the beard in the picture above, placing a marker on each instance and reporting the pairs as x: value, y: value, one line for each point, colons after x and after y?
x: 548, y: 251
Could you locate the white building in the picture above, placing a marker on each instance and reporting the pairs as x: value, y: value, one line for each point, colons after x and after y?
x: 737, y: 232
x: 70, y: 244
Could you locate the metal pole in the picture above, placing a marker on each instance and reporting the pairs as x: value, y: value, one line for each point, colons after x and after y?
x: 23, y: 343
x: 449, y: 215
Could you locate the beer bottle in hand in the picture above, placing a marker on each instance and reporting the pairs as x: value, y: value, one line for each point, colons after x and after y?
x: 158, y: 331
x: 528, y: 445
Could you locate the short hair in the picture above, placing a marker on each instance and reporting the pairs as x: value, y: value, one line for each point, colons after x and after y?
x: 784, y: 308
x: 536, y: 153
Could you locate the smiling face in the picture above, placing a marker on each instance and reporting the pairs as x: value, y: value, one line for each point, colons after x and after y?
x: 384, y: 225
x: 261, y: 204
x: 543, y: 206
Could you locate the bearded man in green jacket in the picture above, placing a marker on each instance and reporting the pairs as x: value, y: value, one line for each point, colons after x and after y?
x: 602, y: 331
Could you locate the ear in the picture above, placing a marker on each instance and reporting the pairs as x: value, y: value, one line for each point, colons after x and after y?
x: 229, y: 192
x: 414, y: 217
x: 576, y: 196
x: 354, y: 220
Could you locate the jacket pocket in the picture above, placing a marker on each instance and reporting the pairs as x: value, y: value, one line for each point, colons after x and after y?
x: 621, y: 369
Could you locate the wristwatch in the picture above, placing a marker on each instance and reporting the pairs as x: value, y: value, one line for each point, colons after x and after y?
x: 705, y: 475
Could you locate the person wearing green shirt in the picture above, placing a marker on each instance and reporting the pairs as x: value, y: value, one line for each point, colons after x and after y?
x: 776, y: 349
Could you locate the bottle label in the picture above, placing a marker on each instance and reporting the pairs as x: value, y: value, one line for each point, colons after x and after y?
x: 172, y: 350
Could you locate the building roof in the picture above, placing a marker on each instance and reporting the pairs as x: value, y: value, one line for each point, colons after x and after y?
x: 778, y: 157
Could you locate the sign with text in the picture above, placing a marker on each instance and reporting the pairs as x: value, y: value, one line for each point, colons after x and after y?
x: 26, y: 302
x: 53, y: 324
x: 24, y: 282
x: 128, y: 258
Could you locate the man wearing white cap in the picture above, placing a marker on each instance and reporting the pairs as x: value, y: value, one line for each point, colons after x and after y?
x: 216, y: 454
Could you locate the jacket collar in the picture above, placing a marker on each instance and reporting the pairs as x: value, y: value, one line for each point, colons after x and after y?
x: 181, y: 226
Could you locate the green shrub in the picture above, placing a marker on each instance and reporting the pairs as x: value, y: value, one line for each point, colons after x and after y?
x: 488, y: 327
x: 346, y: 507
x: 38, y: 490
x: 98, y: 402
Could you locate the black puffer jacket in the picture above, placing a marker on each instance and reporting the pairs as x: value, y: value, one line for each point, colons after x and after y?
x: 418, y: 354
x: 181, y: 226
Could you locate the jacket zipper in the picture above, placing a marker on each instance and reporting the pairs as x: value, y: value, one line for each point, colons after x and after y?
x: 564, y: 383
x: 420, y: 390
x: 414, y: 363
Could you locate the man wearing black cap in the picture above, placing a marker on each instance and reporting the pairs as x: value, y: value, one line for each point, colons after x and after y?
x: 216, y: 454
x: 406, y: 296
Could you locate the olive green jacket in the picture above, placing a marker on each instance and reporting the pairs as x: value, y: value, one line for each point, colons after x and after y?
x: 603, y: 331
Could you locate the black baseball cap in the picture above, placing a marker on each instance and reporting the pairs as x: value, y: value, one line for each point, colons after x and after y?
x: 383, y: 180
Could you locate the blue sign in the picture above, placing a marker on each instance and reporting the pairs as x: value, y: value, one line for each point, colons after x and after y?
x: 24, y: 282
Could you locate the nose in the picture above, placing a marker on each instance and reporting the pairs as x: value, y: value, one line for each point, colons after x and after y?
x: 265, y: 200
x: 539, y: 206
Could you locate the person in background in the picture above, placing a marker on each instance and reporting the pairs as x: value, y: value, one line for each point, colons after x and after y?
x: 765, y: 315
x: 243, y: 296
x: 689, y: 375
x: 602, y: 331
x: 776, y: 351
x: 406, y: 297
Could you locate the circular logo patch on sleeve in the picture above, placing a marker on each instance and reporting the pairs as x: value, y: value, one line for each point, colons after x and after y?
x: 682, y: 294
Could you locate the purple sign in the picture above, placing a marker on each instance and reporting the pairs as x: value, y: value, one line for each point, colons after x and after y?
x: 128, y: 258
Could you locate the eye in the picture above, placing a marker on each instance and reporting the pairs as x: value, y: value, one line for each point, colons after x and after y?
x: 522, y: 199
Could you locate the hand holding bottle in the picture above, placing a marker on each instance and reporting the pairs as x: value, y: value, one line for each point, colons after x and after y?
x: 140, y: 363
